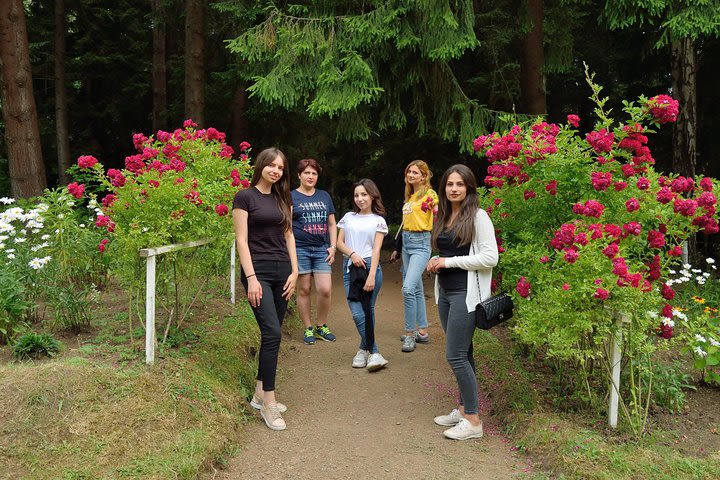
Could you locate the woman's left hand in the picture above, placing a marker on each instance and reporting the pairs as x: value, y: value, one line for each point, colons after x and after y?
x: 369, y: 283
x: 435, y: 264
x: 289, y: 287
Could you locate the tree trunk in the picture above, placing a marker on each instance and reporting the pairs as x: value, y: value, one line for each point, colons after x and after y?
x: 159, y: 67
x: 532, y: 80
x: 684, y: 87
x: 195, y: 60
x: 61, y: 106
x: 239, y: 127
x: 22, y: 134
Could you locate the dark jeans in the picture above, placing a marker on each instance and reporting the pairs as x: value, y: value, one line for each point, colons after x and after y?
x: 269, y: 315
x: 459, y: 326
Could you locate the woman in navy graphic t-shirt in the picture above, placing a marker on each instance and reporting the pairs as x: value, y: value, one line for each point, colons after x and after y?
x: 315, y: 239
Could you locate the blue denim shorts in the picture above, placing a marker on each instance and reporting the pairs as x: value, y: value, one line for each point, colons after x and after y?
x: 312, y: 260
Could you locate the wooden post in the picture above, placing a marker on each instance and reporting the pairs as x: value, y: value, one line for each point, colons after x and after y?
x: 684, y: 256
x: 615, y: 364
x: 150, y: 254
x: 232, y: 273
x: 150, y: 310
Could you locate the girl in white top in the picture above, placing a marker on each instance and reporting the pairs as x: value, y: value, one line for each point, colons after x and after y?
x: 360, y: 238
x: 465, y: 238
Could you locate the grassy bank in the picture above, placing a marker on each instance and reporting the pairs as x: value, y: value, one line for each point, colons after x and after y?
x: 575, y: 445
x: 88, y: 415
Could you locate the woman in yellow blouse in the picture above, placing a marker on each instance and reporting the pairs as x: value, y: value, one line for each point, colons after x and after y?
x: 417, y: 223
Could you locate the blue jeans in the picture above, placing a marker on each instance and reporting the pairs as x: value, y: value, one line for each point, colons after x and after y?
x: 356, y: 307
x: 311, y: 259
x: 459, y: 326
x: 415, y: 256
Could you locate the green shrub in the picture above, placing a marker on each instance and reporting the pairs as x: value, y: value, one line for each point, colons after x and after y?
x: 35, y: 345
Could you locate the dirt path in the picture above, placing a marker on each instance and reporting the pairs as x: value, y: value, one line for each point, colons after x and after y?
x: 349, y: 423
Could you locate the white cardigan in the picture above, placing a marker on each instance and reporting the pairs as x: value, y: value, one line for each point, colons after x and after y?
x: 481, y: 260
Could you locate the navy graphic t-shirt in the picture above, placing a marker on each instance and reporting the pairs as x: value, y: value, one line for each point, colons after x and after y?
x: 310, y: 215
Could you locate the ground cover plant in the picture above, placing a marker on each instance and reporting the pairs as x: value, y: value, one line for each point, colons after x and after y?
x: 102, y: 416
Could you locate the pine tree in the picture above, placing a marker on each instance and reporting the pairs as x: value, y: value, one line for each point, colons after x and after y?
x: 381, y: 65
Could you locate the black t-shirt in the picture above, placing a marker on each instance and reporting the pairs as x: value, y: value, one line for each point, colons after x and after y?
x: 265, y: 225
x: 451, y: 278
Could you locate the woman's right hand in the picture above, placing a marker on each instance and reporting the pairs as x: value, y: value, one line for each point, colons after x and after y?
x: 254, y: 291
x: 357, y: 260
x: 394, y: 256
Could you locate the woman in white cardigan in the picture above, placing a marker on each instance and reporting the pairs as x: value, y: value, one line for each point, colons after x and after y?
x: 464, y: 236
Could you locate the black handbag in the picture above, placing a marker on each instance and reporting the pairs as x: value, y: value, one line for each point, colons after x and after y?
x: 493, y: 311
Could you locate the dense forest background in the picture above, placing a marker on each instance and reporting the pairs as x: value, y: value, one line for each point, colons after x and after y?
x: 362, y: 86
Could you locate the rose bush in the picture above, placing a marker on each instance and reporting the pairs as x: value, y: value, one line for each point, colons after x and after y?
x: 589, y: 229
x: 179, y: 186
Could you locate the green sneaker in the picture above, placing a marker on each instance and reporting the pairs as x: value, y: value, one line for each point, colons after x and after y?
x: 308, y: 336
x: 323, y: 333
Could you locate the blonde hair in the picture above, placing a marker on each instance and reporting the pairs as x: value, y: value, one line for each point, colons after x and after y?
x: 425, y: 171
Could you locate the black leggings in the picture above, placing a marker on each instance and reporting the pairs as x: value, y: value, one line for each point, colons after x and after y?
x: 269, y: 315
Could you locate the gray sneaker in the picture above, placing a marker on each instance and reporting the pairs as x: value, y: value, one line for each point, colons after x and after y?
x: 418, y: 338
x: 408, y: 344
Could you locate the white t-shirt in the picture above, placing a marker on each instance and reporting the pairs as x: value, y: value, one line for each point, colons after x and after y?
x: 360, y: 231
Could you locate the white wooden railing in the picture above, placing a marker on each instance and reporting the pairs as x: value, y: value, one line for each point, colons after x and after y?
x: 149, y: 254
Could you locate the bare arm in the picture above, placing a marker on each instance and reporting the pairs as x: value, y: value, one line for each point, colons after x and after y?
x: 374, y: 262
x: 289, y: 287
x: 354, y: 257
x: 332, y: 233
x: 240, y: 225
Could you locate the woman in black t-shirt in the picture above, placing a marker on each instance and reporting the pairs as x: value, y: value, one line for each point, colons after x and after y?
x: 266, y: 246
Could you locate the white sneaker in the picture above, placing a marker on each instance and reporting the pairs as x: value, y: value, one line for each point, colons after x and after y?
x: 450, y: 419
x: 376, y: 362
x: 360, y: 359
x: 464, y: 430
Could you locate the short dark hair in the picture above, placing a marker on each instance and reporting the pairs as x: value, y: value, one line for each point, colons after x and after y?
x: 308, y: 162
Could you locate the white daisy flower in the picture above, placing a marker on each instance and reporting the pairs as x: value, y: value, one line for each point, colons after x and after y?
x: 687, y: 266
x: 714, y: 342
x: 710, y: 260
x: 11, y: 256
x: 82, y: 225
x: 700, y: 352
x: 700, y: 338
x: 696, y: 270
x: 677, y: 313
x: 20, y: 239
x: 45, y: 237
x: 652, y: 314
x: 7, y: 200
x: 672, y: 272
x: 668, y: 322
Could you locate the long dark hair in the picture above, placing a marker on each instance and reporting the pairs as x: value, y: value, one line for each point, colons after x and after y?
x: 372, y: 190
x: 464, y: 224
x: 280, y: 189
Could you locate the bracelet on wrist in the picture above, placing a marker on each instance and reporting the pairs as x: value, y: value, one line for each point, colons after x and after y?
x: 351, y: 254
x: 248, y: 276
